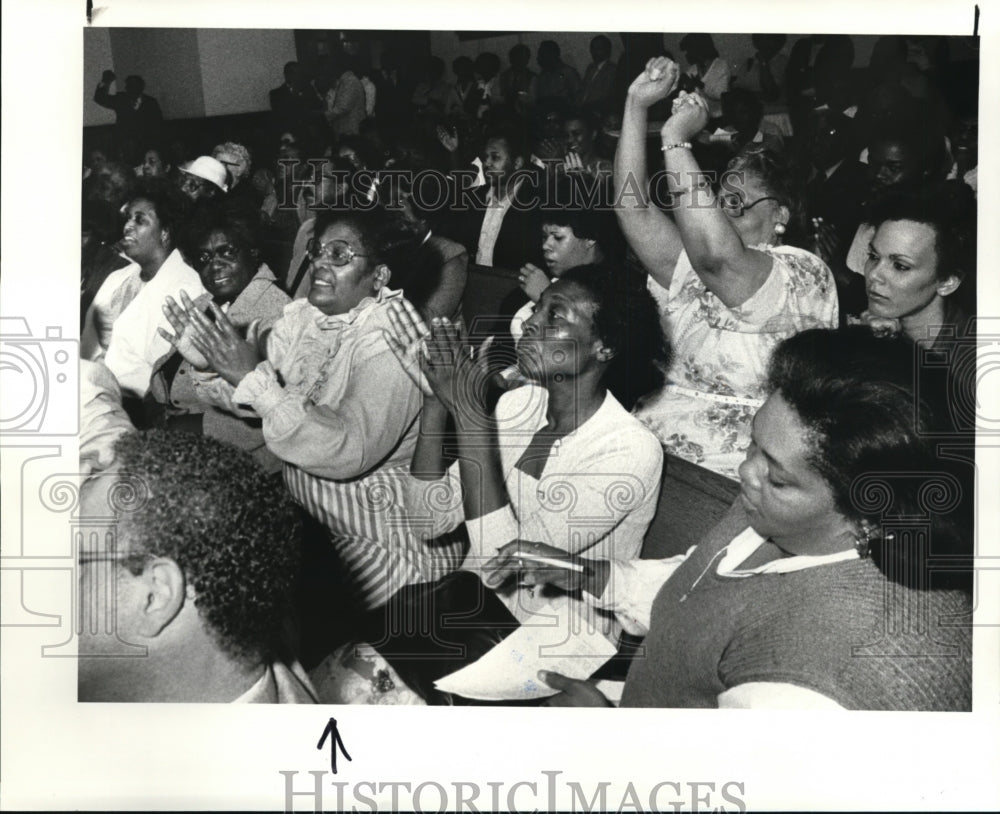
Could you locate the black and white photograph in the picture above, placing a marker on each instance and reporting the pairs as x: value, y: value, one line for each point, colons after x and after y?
x: 636, y: 360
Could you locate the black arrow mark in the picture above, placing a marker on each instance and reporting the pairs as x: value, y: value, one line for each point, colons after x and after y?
x: 335, y: 742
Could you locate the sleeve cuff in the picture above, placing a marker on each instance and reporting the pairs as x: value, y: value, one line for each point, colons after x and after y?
x: 491, y: 531
x: 259, y: 389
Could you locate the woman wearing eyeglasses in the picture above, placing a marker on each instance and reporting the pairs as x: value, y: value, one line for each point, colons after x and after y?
x: 727, y: 288
x: 221, y: 245
x: 336, y: 405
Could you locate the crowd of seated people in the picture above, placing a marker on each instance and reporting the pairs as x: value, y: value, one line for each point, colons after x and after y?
x: 289, y: 339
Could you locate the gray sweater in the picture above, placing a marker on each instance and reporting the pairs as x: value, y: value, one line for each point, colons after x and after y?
x: 842, y: 630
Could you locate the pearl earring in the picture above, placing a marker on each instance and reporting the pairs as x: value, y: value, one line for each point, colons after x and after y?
x: 779, y: 228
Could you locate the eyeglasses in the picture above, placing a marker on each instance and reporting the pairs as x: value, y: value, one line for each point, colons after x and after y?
x: 338, y: 252
x: 227, y: 252
x: 194, y: 182
x: 733, y: 203
x: 121, y: 557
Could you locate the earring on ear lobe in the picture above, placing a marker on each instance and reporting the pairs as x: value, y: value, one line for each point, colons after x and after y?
x: 862, y: 543
x: 779, y: 228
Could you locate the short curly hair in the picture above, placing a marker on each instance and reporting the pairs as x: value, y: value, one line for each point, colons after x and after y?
x: 385, y: 235
x: 857, y: 396
x: 779, y: 176
x: 236, y: 221
x: 627, y: 321
x: 172, y: 206
x: 236, y: 536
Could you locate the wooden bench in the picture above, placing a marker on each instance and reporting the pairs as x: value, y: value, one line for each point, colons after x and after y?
x: 490, y: 300
x: 692, y: 500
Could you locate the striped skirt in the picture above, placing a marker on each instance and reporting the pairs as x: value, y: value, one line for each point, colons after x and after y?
x: 388, y: 531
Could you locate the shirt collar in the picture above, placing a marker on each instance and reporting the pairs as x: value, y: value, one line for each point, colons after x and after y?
x: 360, y: 312
x: 491, y: 197
x: 748, y: 541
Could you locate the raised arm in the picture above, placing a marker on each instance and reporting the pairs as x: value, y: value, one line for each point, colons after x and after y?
x: 651, y: 234
x: 101, y: 95
x: 460, y: 384
x: 728, y: 269
x: 446, y: 298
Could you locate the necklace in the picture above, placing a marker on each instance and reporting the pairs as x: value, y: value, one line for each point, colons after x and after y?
x: 711, y: 562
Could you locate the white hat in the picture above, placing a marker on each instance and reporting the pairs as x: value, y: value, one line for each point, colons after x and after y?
x: 210, y: 169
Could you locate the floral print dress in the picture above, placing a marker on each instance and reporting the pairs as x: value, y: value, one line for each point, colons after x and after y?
x: 717, y: 379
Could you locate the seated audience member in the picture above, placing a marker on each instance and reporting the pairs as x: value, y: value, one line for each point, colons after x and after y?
x: 95, y: 157
x: 964, y: 140
x: 599, y: 78
x: 357, y: 152
x: 462, y: 92
x: 922, y: 253
x: 500, y: 224
x: 708, y: 73
x: 764, y: 72
x: 111, y: 182
x: 921, y: 261
x: 285, y: 187
x: 580, y: 130
x: 348, y: 109
x: 394, y: 91
x: 100, y: 253
x: 743, y: 123
x: 103, y: 420
x: 343, y: 182
x: 572, y: 235
x: 487, y: 91
x: 818, y: 72
x: 887, y: 60
x: 548, y: 133
x: 337, y: 407
x: 201, y: 566
x: 835, y: 196
x: 295, y: 101
x: 204, y: 179
x: 432, y: 92
x: 121, y: 325
x: 900, y: 157
x: 517, y: 82
x: 784, y: 604
x: 236, y: 159
x: 156, y: 163
x: 556, y: 79
x: 592, y: 347
x: 433, y: 275
x: 221, y: 245
x: 728, y: 291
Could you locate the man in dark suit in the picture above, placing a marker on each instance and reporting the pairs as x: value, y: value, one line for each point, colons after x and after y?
x: 138, y: 117
x: 835, y: 195
x: 599, y: 78
x: 498, y: 223
x: 295, y: 100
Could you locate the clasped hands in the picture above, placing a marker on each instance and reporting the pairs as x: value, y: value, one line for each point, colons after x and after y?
x: 440, y: 360
x: 209, y: 344
x: 689, y: 114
